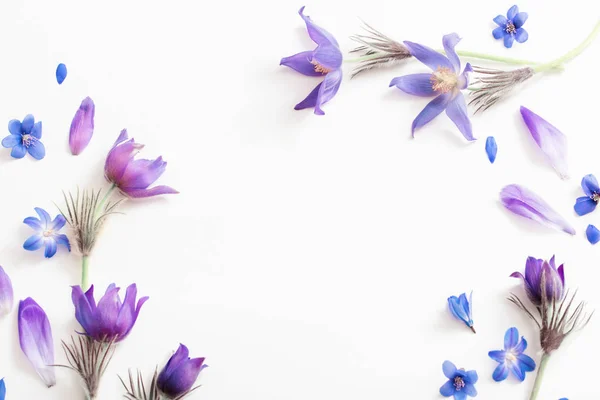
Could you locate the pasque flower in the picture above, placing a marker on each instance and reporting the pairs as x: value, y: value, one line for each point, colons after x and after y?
x: 532, y: 280
x: 460, y: 383
x: 6, y: 293
x: 110, y: 320
x: 588, y: 203
x: 511, y: 27
x: 179, y: 375
x: 133, y: 177
x: 47, y: 233
x: 325, y: 60
x: 82, y: 126
x: 444, y: 83
x: 25, y: 138
x: 461, y: 308
x: 512, y: 359
x: 35, y: 337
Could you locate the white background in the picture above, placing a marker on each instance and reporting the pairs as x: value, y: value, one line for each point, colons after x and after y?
x: 306, y: 257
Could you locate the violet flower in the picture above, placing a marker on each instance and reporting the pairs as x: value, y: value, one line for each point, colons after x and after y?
x: 532, y: 280
x: 35, y: 337
x: 587, y: 204
x: 510, y: 27
x: 550, y: 140
x: 82, y: 126
x: 25, y: 137
x: 133, y: 177
x: 462, y: 309
x: 444, y: 83
x: 6, y: 293
x: 47, y: 233
x: 176, y: 379
x: 512, y: 359
x: 522, y: 201
x: 325, y: 60
x: 460, y: 383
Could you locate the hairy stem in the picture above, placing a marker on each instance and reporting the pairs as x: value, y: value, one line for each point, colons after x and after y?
x: 540, y: 376
x: 103, y: 201
x: 464, y: 53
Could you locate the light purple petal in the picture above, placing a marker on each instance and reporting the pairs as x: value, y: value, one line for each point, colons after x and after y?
x: 301, y: 62
x: 524, y: 202
x: 501, y: 21
x: 35, y: 338
x: 119, y: 157
x: 328, y: 89
x: 428, y: 56
x: 140, y: 174
x: 328, y: 56
x: 415, y: 84
x: 593, y: 234
x: 457, y: 112
x: 82, y: 126
x: 550, y: 140
x: 431, y: 110
x: 512, y: 12
x: 155, y: 191
x: 317, y: 34
x: 450, y: 41
x: 6, y: 293
x: 310, y: 100
x: 520, y: 19
x: 463, y: 79
x: 589, y: 184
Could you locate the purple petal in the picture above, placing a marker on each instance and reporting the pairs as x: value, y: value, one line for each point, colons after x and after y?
x: 310, y: 100
x: 182, y: 354
x: 301, y: 62
x: 27, y: 124
x: 463, y: 79
x: 140, y: 174
x: 128, y: 312
x: 11, y: 141
x: 519, y: 20
x: 457, y: 112
x: 328, y: 56
x: 82, y: 126
x: 508, y: 40
x: 593, y: 234
x: 122, y: 137
x: 6, y: 293
x: 84, y: 309
x: 428, y: 56
x: 500, y: 373
x: 106, y: 314
x: 155, y: 191
x: 14, y: 127
x: 501, y: 21
x: 523, y: 202
x: 35, y: 337
x: 491, y: 148
x: 450, y: 41
x: 431, y: 110
x: 498, y: 32
x: 561, y: 273
x: 449, y: 369
x: 328, y: 89
x: 119, y: 157
x: 584, y: 205
x: 317, y: 34
x: 415, y: 84
x: 512, y: 12
x: 533, y: 278
x: 511, y: 339
x: 589, y: 184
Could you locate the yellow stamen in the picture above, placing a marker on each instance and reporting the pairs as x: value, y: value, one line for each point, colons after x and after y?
x: 443, y: 80
x: 48, y: 233
x: 319, y: 68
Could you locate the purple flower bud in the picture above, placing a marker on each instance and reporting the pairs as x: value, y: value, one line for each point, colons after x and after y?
x: 554, y: 280
x: 35, y: 337
x: 133, y: 177
x: 82, y: 126
x: 110, y: 320
x: 6, y: 293
x: 179, y: 375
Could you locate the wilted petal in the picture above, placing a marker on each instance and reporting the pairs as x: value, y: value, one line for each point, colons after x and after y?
x: 491, y: 148
x: 593, y: 234
x: 82, y: 126
x: 6, y: 293
x: 415, y: 84
x: 525, y: 203
x: 35, y: 337
x: 301, y: 62
x: 61, y: 73
x: 550, y: 140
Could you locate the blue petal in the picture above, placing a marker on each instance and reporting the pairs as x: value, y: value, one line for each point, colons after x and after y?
x: 431, y: 110
x: 491, y: 148
x: 37, y: 150
x: 449, y: 369
x: 44, y: 217
x: 415, y: 84
x: 521, y: 346
x: 498, y: 355
x: 450, y: 41
x: 33, y: 223
x: 27, y: 124
x: 301, y: 62
x: 471, y: 377
x: 14, y: 127
x: 498, y: 33
x: 589, y: 184
x: 464, y: 304
x: 516, y: 370
x: 460, y: 395
x: 512, y: 12
x: 521, y: 35
x: 593, y: 234
x: 584, y: 205
x: 310, y: 100
x: 61, y: 73
x: 328, y: 89
x: 500, y: 373
x: 36, y: 132
x: 526, y: 363
x: 520, y: 19
x: 34, y: 242
x: 501, y: 21
x: 457, y: 112
x: 18, y: 151
x: 64, y: 240
x: 457, y: 310
x: 447, y: 389
x: 51, y: 247
x: 58, y: 223
x: 11, y: 141
x: 470, y: 390
x: 508, y: 40
x: 511, y: 338
x: 428, y: 56
x: 2, y: 389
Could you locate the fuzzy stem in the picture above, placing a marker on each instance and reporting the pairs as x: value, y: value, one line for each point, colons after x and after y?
x: 85, y: 262
x: 464, y: 53
x: 103, y: 201
x: 540, y: 376
x: 571, y: 54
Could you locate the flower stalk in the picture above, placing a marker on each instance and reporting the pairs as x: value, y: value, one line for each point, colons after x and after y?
x: 540, y: 376
x: 462, y: 53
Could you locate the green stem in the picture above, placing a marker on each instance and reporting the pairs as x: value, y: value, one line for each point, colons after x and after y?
x: 103, y: 201
x: 85, y: 262
x: 571, y: 54
x: 464, y: 53
x: 540, y: 376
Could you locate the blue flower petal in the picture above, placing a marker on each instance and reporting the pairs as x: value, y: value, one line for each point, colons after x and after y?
x: 14, y: 127
x: 36, y: 132
x: 470, y: 390
x: 450, y: 41
x: 521, y: 346
x: 471, y: 377
x: 44, y: 217
x: 460, y: 395
x: 58, y: 222
x: 2, y: 389
x: 37, y: 150
x: 447, y: 389
x: 415, y: 84
x: 500, y: 373
x: 511, y: 338
x: 584, y: 205
x: 520, y: 19
x: 501, y: 21
x: 51, y: 247
x: 516, y: 370
x: 589, y: 184
x: 34, y: 242
x: 33, y: 223
x: 449, y: 369
x: 593, y: 234
x: 428, y: 56
x: 431, y: 110
x: 512, y: 12
x: 11, y: 141
x: 18, y: 151
x: 491, y: 148
x: 526, y: 363
x: 521, y: 35
x: 61, y: 73
x: 508, y: 40
x: 498, y: 355
x: 464, y: 304
x: 27, y: 124
x: 64, y: 240
x: 457, y: 310
x: 457, y: 112
x: 498, y: 33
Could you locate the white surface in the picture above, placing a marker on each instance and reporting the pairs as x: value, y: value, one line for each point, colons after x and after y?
x: 306, y: 257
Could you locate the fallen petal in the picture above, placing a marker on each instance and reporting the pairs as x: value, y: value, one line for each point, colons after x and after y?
x: 491, y: 148
x: 61, y: 73
x: 82, y: 126
x: 6, y: 294
x: 593, y: 234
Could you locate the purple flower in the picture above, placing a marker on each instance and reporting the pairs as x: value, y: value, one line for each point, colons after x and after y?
x: 61, y: 73
x: 6, y: 293
x: 510, y: 27
x: 47, y: 233
x: 25, y: 137
x: 133, y: 177
x: 82, y: 126
x: 110, y: 320
x: 460, y: 383
x: 325, y: 60
x: 550, y: 140
x: 512, y: 359
x: 35, y: 337
x: 179, y: 375
x: 532, y: 281
x: 462, y: 309
x: 524, y: 202
x: 593, y: 234
x: 587, y: 204
x: 445, y: 84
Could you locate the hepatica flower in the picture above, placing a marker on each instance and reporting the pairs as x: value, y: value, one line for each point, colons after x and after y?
x: 444, y: 84
x: 325, y: 60
x: 82, y: 126
x: 35, y: 337
x: 47, y: 233
x: 461, y: 308
x: 25, y: 138
x: 554, y: 285
x: 512, y: 359
x: 6, y: 293
x: 176, y: 379
x: 511, y: 27
x: 460, y: 383
x: 587, y: 204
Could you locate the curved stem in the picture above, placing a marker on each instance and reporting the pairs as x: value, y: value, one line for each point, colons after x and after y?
x: 85, y: 262
x: 540, y: 376
x: 103, y: 201
x: 464, y: 53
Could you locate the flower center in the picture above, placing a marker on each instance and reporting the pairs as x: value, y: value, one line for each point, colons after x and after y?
x: 48, y: 233
x: 319, y: 68
x: 510, y: 27
x: 443, y: 80
x: 459, y: 383
x: 596, y: 197
x: 27, y: 140
x: 510, y: 356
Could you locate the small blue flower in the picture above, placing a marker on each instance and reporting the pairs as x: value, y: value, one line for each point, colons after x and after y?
x: 460, y: 383
x: 491, y: 148
x: 25, y: 137
x: 460, y: 307
x: 512, y: 358
x: 61, y: 73
x: 510, y: 27
x: 587, y: 204
x: 593, y: 234
x: 46, y: 233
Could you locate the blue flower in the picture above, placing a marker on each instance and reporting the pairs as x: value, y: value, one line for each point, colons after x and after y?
x: 460, y: 383
x: 25, y: 137
x: 587, y: 204
x: 510, y: 27
x: 460, y: 307
x: 46, y: 233
x: 512, y: 358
